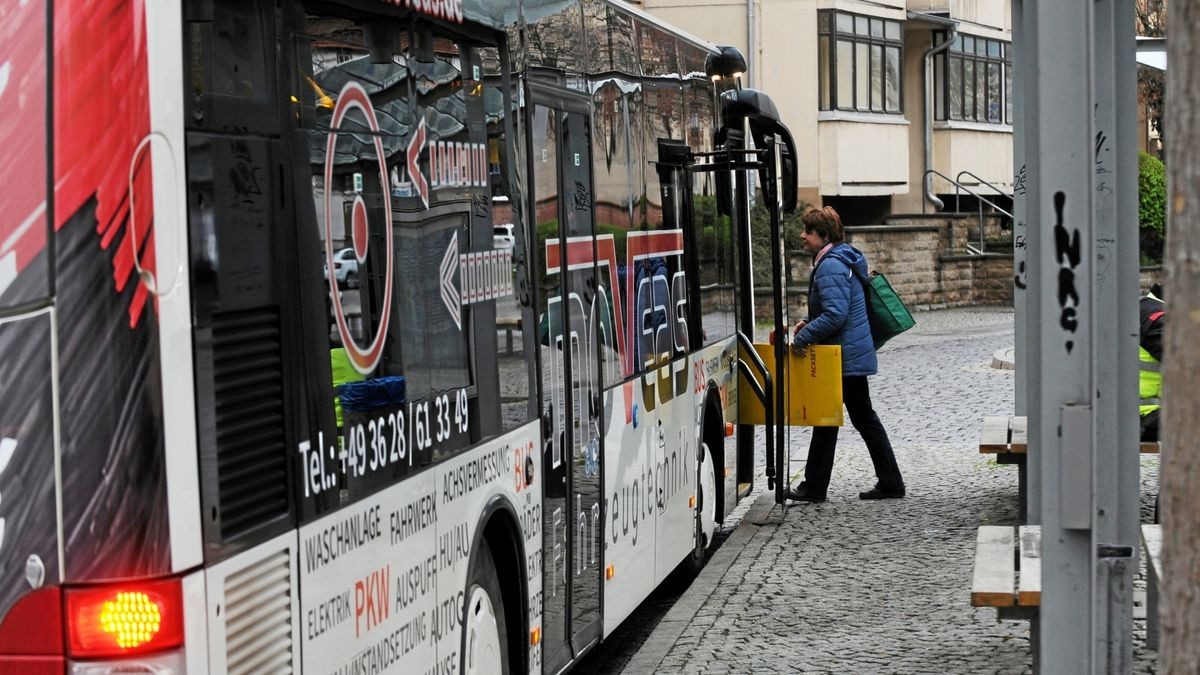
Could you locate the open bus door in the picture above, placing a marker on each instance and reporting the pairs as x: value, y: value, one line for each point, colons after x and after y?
x: 751, y: 139
x: 773, y: 156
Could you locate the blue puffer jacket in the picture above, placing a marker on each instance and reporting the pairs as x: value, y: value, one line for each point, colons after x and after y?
x: 837, y: 310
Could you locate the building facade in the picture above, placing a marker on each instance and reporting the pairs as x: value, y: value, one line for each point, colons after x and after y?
x: 875, y: 96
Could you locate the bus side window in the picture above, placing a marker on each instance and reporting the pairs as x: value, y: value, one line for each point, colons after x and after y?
x: 664, y: 328
x: 515, y: 362
x: 614, y: 147
x: 714, y: 233
x: 354, y: 99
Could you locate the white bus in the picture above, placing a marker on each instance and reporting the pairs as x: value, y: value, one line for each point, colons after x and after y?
x: 273, y: 398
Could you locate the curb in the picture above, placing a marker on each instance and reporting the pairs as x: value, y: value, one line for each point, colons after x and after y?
x: 667, y: 632
x: 1005, y: 359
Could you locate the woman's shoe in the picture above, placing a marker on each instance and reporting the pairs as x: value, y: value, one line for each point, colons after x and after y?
x: 801, y: 493
x: 880, y: 492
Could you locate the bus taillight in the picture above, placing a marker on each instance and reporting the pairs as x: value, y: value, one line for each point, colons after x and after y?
x: 123, y: 619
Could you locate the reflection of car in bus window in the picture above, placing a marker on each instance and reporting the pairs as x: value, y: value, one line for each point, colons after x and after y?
x: 503, y: 236
x: 345, y: 268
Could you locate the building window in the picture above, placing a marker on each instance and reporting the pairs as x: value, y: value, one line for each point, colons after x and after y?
x: 974, y: 80
x: 860, y: 59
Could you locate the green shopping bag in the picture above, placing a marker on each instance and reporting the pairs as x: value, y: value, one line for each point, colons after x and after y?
x: 885, y: 311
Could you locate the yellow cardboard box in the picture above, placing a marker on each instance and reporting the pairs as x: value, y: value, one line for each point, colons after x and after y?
x: 813, y: 393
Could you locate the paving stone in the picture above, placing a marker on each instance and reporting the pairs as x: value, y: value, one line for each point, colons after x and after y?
x: 851, y: 586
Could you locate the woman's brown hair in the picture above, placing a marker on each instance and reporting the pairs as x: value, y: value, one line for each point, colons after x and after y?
x: 825, y: 222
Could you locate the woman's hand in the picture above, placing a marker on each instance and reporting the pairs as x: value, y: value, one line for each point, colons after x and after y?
x: 798, y: 347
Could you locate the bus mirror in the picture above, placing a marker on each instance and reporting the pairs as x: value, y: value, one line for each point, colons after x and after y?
x: 727, y: 62
x: 757, y: 107
x: 788, y: 173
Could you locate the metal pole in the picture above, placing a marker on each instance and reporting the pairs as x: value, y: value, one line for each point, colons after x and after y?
x: 982, y: 241
x: 1061, y: 425
x: 1020, y: 59
x: 740, y: 215
x: 1114, y: 327
x: 1027, y: 274
x: 772, y: 192
x: 751, y: 46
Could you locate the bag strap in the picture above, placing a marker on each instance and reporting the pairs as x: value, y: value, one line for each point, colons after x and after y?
x: 866, y: 282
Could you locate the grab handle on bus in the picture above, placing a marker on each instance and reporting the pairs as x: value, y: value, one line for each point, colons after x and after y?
x: 147, y: 276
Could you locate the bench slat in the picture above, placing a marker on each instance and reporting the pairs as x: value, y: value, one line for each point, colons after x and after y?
x: 993, y: 438
x: 1001, y: 434
x: 1152, y: 542
x: 1029, y: 588
x: 1020, y: 434
x: 992, y: 585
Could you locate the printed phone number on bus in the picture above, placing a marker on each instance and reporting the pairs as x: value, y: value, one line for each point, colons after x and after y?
x: 373, y: 445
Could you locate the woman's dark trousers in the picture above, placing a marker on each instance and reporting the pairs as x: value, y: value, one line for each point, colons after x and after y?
x: 857, y: 397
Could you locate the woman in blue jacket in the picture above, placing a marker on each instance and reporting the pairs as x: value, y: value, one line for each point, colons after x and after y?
x: 837, y: 314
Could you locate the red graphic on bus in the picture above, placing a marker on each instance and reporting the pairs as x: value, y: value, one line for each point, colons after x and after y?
x: 364, y: 359
x: 101, y: 114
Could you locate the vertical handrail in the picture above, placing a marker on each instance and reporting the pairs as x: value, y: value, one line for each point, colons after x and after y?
x: 980, y: 181
x: 767, y: 401
x: 982, y: 242
x: 772, y: 160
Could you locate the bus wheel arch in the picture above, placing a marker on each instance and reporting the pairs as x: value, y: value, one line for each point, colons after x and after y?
x: 709, y: 497
x: 497, y: 553
x: 712, y: 440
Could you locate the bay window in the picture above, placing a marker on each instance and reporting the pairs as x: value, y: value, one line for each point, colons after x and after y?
x: 973, y: 80
x: 860, y: 59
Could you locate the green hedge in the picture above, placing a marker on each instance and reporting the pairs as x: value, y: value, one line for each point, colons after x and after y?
x: 760, y: 234
x: 1152, y: 208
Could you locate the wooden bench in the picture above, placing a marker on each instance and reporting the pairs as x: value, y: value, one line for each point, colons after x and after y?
x: 508, y: 324
x: 1002, y: 435
x: 1008, y: 439
x: 1152, y: 545
x: 1008, y: 570
x: 1008, y: 573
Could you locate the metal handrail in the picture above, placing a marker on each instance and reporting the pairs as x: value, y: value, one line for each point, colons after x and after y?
x: 768, y: 403
x: 982, y: 200
x: 964, y: 172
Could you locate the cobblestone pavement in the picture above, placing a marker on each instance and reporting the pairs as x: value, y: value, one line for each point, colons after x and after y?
x: 878, y: 587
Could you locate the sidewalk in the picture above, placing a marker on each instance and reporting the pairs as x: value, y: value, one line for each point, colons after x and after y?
x: 849, y: 586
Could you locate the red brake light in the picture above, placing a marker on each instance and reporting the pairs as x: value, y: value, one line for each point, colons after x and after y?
x: 121, y: 619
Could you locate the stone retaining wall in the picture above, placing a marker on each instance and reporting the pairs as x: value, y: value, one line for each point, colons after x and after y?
x: 926, y: 260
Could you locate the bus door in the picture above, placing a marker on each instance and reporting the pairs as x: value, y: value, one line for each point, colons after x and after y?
x: 571, y: 310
